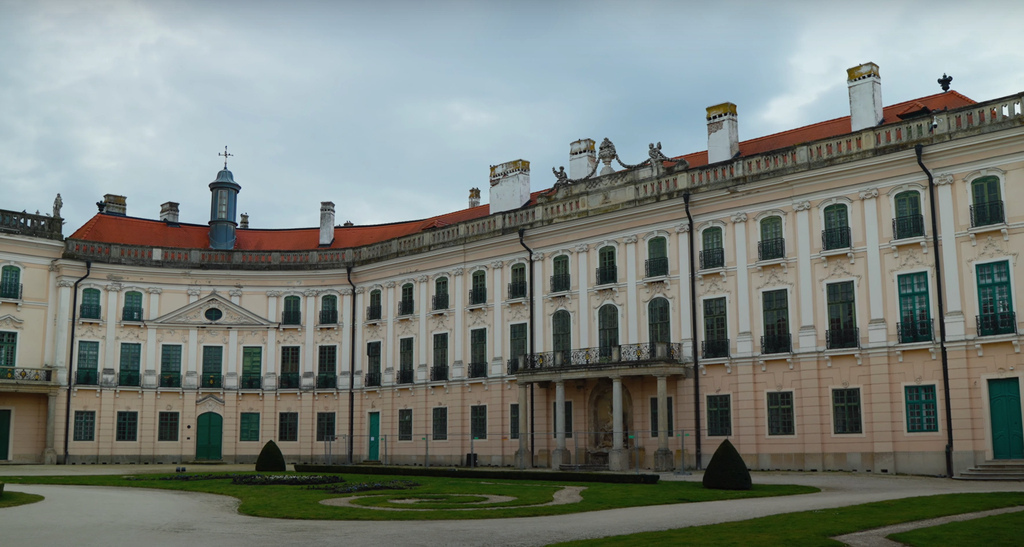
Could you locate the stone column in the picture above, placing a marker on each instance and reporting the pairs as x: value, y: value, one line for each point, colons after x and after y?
x: 357, y: 364
x: 308, y: 366
x: 950, y: 261
x: 683, y: 237
x: 111, y: 350
x: 270, y: 375
x: 877, y: 333
x: 536, y: 333
x: 560, y: 455
x: 458, y: 336
x: 344, y: 355
x: 523, y: 453
x: 423, y: 373
x: 633, y: 319
x: 663, y: 460
x: 582, y: 274
x: 744, y: 339
x: 497, y: 327
x: 808, y: 336
x: 150, y: 377
x: 64, y: 315
x: 618, y: 458
x: 388, y: 312
x: 50, y: 455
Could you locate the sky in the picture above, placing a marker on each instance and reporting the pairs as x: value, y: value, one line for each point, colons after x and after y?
x: 394, y: 109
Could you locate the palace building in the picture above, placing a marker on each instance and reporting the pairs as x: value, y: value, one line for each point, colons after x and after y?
x: 840, y: 296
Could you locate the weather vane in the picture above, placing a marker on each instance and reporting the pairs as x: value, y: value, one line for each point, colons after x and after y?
x: 226, y: 156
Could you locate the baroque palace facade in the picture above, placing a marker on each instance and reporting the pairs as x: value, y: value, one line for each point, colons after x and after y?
x: 840, y: 296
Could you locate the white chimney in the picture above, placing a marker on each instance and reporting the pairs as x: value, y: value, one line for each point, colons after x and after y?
x: 865, y: 87
x: 474, y: 197
x: 169, y: 212
x: 723, y: 132
x: 114, y: 204
x: 510, y: 185
x: 582, y: 158
x: 326, y: 223
x: 244, y: 222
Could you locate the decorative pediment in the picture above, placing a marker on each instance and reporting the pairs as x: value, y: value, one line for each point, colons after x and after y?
x: 199, y: 314
x: 10, y: 322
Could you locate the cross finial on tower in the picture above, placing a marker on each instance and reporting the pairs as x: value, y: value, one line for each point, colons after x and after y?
x: 226, y: 156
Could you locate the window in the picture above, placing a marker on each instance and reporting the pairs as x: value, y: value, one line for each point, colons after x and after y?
x: 441, y: 293
x: 517, y: 288
x: 606, y: 270
x: 987, y: 203
x: 513, y: 421
x: 657, y: 257
x: 132, y: 306
x: 654, y: 417
x: 329, y: 310
x: 517, y: 340
x: 994, y: 302
x: 170, y: 365
x: 212, y: 359
x: 292, y: 314
x: 719, y: 416
x: 909, y: 221
x: 222, y: 204
x: 568, y: 419
x: 560, y: 280
x: 167, y: 426
x: 127, y: 428
x: 561, y: 334
x: 131, y: 355
x: 842, y: 323
x: 405, y: 371
x: 478, y: 353
x: 406, y: 304
x: 836, y: 234
x: 658, y: 325
x: 478, y: 294
x: 289, y: 367
x: 478, y: 421
x: 780, y: 413
x: 85, y: 425
x: 439, y: 424
x: 712, y: 255
x: 90, y: 304
x: 88, y: 363
x: 327, y: 367
x: 716, y: 336
x: 846, y: 411
x: 8, y: 348
x: 288, y: 428
x: 439, y: 371
x: 772, y: 245
x: 607, y: 329
x: 373, y: 310
x: 922, y: 412
x: 10, y: 282
x: 252, y: 368
x: 325, y: 427
x: 915, y: 323
x: 405, y: 424
x: 775, y: 307
x: 249, y: 427
x: 373, y: 364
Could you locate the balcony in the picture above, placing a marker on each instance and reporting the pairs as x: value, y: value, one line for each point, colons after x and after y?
x: 478, y: 370
x: 288, y: 380
x: 326, y: 381
x: 908, y: 226
x: 169, y: 379
x: 915, y: 330
x: 607, y: 275
x: 842, y: 338
x: 777, y: 343
x: 712, y: 258
x: 992, y: 324
x: 405, y: 375
x: 985, y: 214
x: 516, y: 289
x: 373, y: 312
x: 208, y: 380
x: 771, y: 249
x: 250, y: 381
x: 372, y: 379
x: 439, y: 373
x: 656, y: 267
x: 128, y: 378
x: 291, y: 317
x: 328, y: 317
x: 10, y: 291
x: 477, y: 296
x: 836, y: 238
x: 630, y: 356
x: 439, y: 302
x: 560, y: 282
x: 89, y: 311
x: 716, y: 348
x: 87, y: 377
x: 21, y: 374
x: 406, y: 307
x: 131, y: 314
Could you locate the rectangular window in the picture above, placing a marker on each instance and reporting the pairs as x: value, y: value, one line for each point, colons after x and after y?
x: 405, y: 424
x: 922, y: 412
x: 213, y: 358
x: 85, y: 425
x: 127, y: 426
x: 517, y: 339
x: 568, y: 419
x: 994, y: 303
x: 249, y: 426
x: 478, y: 421
x: 842, y: 323
x: 478, y: 353
x: 88, y: 363
x: 780, y: 413
x: 654, y: 417
x: 288, y: 427
x: 167, y: 426
x: 327, y: 364
x: 405, y: 353
x: 513, y: 421
x: 170, y: 361
x: 719, y: 415
x: 131, y: 356
x: 439, y: 424
x: 716, y: 337
x: 846, y: 411
x: 915, y: 324
x: 252, y: 368
x: 373, y: 357
x: 776, y: 322
x: 8, y: 348
x: 289, y: 367
x: 325, y: 426
x: 441, y: 349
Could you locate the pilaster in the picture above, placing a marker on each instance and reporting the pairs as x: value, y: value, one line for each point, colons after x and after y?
x: 877, y: 333
x: 744, y: 339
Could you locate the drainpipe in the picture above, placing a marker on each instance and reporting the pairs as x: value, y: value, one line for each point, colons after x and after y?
x: 351, y: 368
x: 529, y: 305
x: 942, y: 312
x: 693, y: 335
x: 71, y: 359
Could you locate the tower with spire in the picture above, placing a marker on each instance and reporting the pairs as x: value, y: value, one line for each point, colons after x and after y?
x: 223, y: 207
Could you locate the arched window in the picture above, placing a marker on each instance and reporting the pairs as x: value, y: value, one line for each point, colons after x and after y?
x: 517, y: 287
x: 132, y: 306
x: 712, y: 255
x: 909, y: 221
x: 10, y: 282
x: 90, y: 304
x: 560, y: 280
x: 658, y: 324
x: 373, y: 310
x: 478, y: 293
x: 405, y: 305
x: 292, y: 314
x: 561, y: 331
x: 657, y: 257
x: 607, y: 329
x: 440, y: 293
x: 772, y: 244
x: 987, y: 202
x: 836, y: 234
x: 329, y: 309
x: 606, y: 271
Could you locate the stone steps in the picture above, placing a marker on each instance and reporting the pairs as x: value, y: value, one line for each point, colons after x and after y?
x: 995, y: 470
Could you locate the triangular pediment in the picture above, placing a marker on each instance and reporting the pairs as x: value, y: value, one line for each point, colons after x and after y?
x: 195, y: 315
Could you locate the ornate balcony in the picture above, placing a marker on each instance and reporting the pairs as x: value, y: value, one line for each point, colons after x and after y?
x: 250, y: 381
x: 209, y: 380
x: 373, y: 312
x: 836, y: 238
x: 712, y: 258
x: 405, y: 375
x: 908, y: 226
x: 128, y: 378
x: 777, y: 343
x: 992, y: 324
x: 439, y: 373
x: 771, y: 249
x: 914, y: 330
x: 517, y: 289
x: 626, y: 355
x: 406, y: 307
x: 477, y: 296
x: 131, y: 314
x: 656, y: 267
x: 842, y: 338
x: 716, y: 348
x: 440, y: 302
x: 478, y: 370
x: 560, y: 282
x: 288, y: 380
x: 372, y: 379
x: 22, y: 374
x: 328, y: 317
x: 984, y: 214
x: 169, y: 379
x: 607, y: 275
x: 87, y: 377
x: 326, y: 381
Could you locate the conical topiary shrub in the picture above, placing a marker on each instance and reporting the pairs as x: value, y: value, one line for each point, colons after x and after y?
x: 271, y: 458
x: 726, y: 471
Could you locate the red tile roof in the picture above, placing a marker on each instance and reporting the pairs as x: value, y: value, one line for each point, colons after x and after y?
x: 136, y: 231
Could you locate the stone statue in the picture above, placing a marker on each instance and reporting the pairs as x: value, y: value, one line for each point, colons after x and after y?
x: 655, y: 154
x: 562, y: 177
x: 57, y: 204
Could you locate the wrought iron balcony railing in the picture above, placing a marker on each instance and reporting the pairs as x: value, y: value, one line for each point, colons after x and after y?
x: 991, y: 324
x: 372, y: 379
x: 771, y: 249
x: 908, y: 226
x: 326, y: 381
x: 22, y: 374
x: 440, y: 301
x: 373, y: 312
x: 842, y: 338
x: 250, y: 381
x: 517, y: 289
x: 89, y: 311
x: 128, y: 378
x: 607, y: 274
x: 836, y: 238
x: 477, y: 296
x: 168, y: 379
x: 656, y: 267
x: 914, y: 330
x: 406, y: 307
x: 984, y: 214
x: 777, y: 343
x: 439, y: 373
x: 715, y: 348
x: 131, y: 314
x: 291, y: 317
x: 328, y: 317
x: 210, y: 380
x: 405, y: 375
x: 560, y: 282
x: 623, y: 355
x: 478, y: 370
x: 288, y: 380
x: 10, y: 290
x: 712, y: 258
x: 87, y: 377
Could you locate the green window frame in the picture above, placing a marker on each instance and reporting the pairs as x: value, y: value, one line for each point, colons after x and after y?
x: 715, y: 325
x: 373, y: 312
x: 711, y: 238
x: 167, y: 426
x: 129, y: 364
x: 10, y: 282
x: 560, y: 279
x: 8, y: 348
x: 290, y: 356
x: 329, y: 309
x: 132, y: 306
x: 513, y: 421
x: 249, y: 427
x: 995, y: 303
x: 478, y: 346
x: 655, y: 418
x: 252, y: 367
x: 406, y: 305
x: 915, y: 314
x: 288, y: 427
x: 325, y: 426
x: 837, y: 227
x: 922, y: 409
x: 846, y: 417
x: 607, y: 329
x: 659, y: 326
x: 568, y: 419
x: 909, y: 221
x: 842, y: 315
x: 327, y: 360
x: 170, y: 359
x: 720, y: 415
x: 439, y: 423
x: 441, y: 300
x: 606, y: 268
x: 771, y: 228
x: 986, y: 202
x: 517, y: 339
x: 213, y: 359
x: 775, y: 312
x: 90, y: 304
x: 519, y: 274
x: 479, y: 280
x: 373, y: 357
x: 780, y: 413
x: 561, y: 330
x: 88, y: 355
x: 657, y: 257
x: 85, y: 425
x: 127, y: 426
x: 772, y: 245
x: 441, y: 349
x: 292, y: 314
x: 478, y: 421
x: 405, y: 346
x: 405, y: 424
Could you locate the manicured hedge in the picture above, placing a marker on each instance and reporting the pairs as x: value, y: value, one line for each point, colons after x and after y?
x: 270, y: 458
x: 559, y: 476
x: 726, y: 470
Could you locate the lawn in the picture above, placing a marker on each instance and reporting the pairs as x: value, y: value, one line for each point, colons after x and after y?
x: 995, y: 531
x: 14, y: 499
x: 439, y: 495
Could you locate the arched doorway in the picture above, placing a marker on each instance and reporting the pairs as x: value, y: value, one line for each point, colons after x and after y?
x: 209, y: 436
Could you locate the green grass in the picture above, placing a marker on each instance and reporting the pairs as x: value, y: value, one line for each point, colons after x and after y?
x: 996, y: 531
x: 816, y: 527
x: 14, y: 499
x: 296, y: 502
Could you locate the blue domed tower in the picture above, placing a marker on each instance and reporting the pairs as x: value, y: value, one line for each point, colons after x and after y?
x: 223, y: 207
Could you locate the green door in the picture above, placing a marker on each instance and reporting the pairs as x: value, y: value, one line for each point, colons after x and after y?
x: 1007, y: 434
x: 5, y: 434
x: 374, y: 437
x: 209, y: 435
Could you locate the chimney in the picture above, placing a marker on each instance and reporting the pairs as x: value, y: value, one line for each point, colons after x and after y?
x: 348, y: 223
x: 115, y: 205
x: 865, y: 87
x: 582, y: 158
x: 326, y: 223
x: 510, y: 185
x: 723, y: 133
x: 244, y: 224
x: 169, y: 212
x: 474, y: 197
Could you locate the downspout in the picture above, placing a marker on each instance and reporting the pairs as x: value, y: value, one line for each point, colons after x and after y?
x: 351, y: 367
x: 942, y: 312
x: 693, y: 335
x: 529, y: 305
x: 71, y: 359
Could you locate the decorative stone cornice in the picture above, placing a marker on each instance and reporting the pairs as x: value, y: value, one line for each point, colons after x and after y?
x: 235, y: 292
x: 422, y: 279
x: 629, y: 239
x: 870, y: 193
x: 802, y: 206
x: 538, y: 256
x: 272, y: 294
x: 65, y: 283
x: 360, y: 290
x: 345, y: 291
x: 310, y: 292
x: 738, y: 218
x: 114, y: 287
x: 582, y: 248
x: 682, y: 228
x: 158, y: 290
x: 943, y: 179
x: 497, y: 264
x: 457, y: 272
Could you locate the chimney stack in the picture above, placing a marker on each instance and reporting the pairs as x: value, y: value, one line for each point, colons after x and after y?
x: 723, y: 133
x: 865, y: 86
x: 114, y: 204
x: 474, y: 197
x: 244, y: 224
x: 582, y: 158
x: 169, y: 212
x: 326, y: 223
x: 510, y: 185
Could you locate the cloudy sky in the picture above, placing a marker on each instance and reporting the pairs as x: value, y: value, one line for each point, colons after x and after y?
x: 394, y: 109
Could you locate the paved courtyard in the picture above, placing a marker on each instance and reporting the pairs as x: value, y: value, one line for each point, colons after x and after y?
x: 81, y: 515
